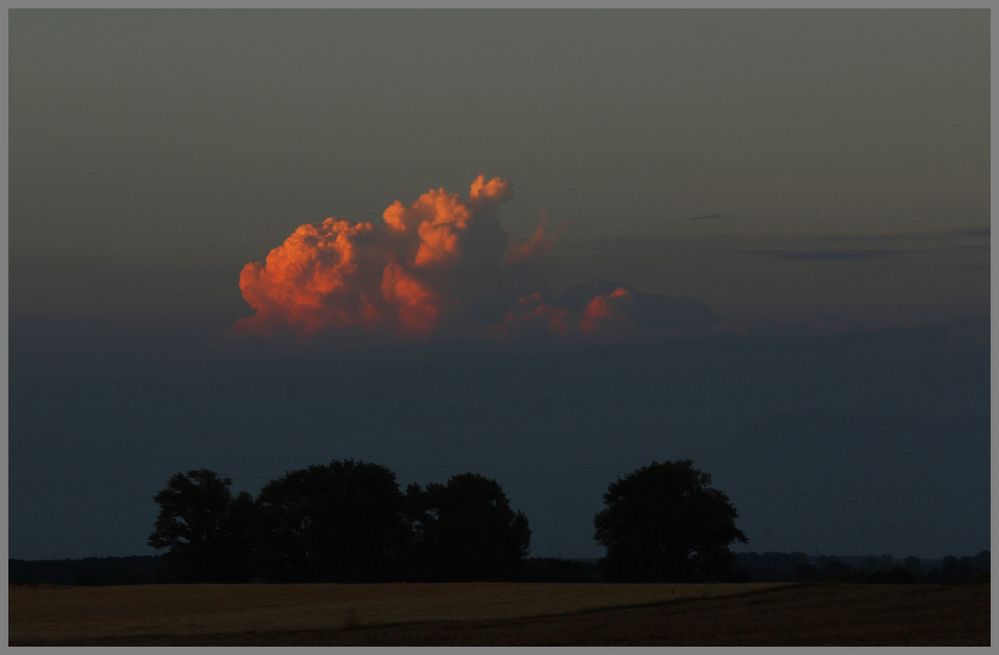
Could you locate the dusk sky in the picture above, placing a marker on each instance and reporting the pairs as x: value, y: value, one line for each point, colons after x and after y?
x: 763, y: 245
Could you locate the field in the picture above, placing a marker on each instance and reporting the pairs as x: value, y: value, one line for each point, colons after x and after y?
x: 500, y: 614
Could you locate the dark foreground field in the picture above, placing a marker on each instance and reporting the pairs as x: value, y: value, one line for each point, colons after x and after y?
x: 502, y: 614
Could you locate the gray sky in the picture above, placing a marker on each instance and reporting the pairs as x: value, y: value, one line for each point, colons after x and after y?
x: 154, y: 153
x: 774, y: 165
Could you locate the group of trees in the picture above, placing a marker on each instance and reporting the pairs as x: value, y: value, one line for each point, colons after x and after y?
x: 800, y: 567
x: 349, y: 522
x: 342, y: 522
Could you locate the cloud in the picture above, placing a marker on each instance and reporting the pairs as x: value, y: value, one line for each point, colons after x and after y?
x: 826, y: 325
x: 696, y: 217
x: 317, y: 279
x: 531, y: 318
x: 880, y: 238
x: 707, y: 217
x: 607, y: 302
x: 841, y: 255
x: 408, y: 276
x: 858, y: 238
x: 527, y: 249
x: 441, y: 266
x: 604, y: 311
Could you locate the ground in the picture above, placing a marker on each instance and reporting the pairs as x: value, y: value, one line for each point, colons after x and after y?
x: 501, y: 614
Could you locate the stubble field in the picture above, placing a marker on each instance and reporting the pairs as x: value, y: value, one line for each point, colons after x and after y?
x: 500, y: 614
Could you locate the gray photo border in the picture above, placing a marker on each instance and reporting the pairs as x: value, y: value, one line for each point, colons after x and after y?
x: 445, y: 4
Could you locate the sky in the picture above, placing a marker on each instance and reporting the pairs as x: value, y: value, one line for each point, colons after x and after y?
x: 758, y: 239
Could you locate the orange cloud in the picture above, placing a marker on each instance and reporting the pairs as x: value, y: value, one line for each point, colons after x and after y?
x: 493, y: 191
x: 532, y: 318
x: 440, y: 266
x: 311, y: 281
x: 438, y: 218
x: 416, y: 305
x: 607, y: 314
x: 341, y: 276
x: 526, y: 249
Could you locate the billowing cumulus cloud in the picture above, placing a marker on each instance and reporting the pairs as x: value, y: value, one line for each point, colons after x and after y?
x: 441, y: 266
x: 532, y: 318
x: 528, y: 249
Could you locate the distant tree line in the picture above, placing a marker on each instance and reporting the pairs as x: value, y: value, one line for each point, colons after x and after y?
x: 799, y: 567
x: 748, y: 567
x: 86, y: 571
x: 348, y: 521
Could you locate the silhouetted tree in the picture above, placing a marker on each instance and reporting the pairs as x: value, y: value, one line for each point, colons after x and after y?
x: 553, y: 569
x: 341, y: 522
x: 664, y: 522
x: 913, y: 565
x: 245, y: 534
x: 832, y: 568
x: 465, y: 530
x: 203, y: 527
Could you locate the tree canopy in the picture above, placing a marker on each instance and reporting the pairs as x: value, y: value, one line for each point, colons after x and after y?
x: 465, y: 529
x: 347, y: 521
x: 203, y: 526
x: 664, y: 522
x: 338, y: 522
